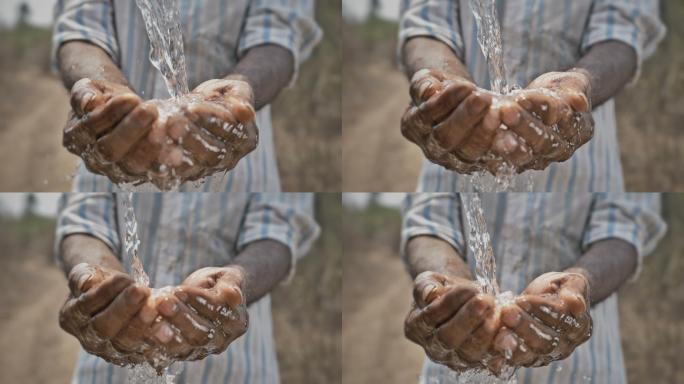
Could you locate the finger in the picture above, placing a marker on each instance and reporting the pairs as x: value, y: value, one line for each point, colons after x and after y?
x: 480, y: 141
x: 509, y: 147
x: 461, y: 122
x: 577, y: 100
x: 413, y: 127
x: 206, y: 149
x: 541, y: 103
x: 105, y: 117
x: 535, y: 334
x: 440, y: 105
x: 539, y: 137
x: 216, y: 119
x: 85, y: 96
x: 141, y: 158
x: 480, y: 341
x: 457, y: 329
x: 424, y: 84
x: 427, y: 287
x: 123, y: 308
x: 513, y: 348
x: 446, y: 305
x: 101, y: 295
x: 193, y: 328
x: 126, y: 134
x: 547, y: 308
x: 82, y: 277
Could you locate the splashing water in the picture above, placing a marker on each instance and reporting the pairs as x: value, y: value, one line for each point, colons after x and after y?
x: 166, y: 42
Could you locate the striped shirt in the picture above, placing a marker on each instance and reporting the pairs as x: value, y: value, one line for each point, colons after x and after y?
x: 539, y: 37
x: 216, y: 34
x: 535, y: 233
x: 180, y: 233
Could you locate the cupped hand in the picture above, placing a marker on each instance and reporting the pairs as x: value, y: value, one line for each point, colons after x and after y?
x: 207, y: 312
x: 547, y: 322
x: 453, y: 322
x: 222, y: 127
x: 548, y: 121
x: 102, y: 313
x: 107, y: 127
x: 452, y: 121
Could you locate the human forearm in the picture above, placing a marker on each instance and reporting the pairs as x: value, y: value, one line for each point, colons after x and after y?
x: 425, y: 52
x: 265, y: 264
x: 607, y: 264
x: 429, y: 253
x: 268, y: 69
x: 609, y: 65
x: 79, y: 59
x: 81, y: 248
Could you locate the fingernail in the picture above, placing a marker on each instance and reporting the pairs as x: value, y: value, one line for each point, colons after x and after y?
x: 164, y: 334
x: 83, y: 280
x: 87, y: 97
x: 427, y: 292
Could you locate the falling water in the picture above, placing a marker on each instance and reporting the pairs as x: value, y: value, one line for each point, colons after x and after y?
x: 489, y: 38
x: 491, y: 44
x: 132, y: 241
x: 166, y: 42
x: 480, y: 244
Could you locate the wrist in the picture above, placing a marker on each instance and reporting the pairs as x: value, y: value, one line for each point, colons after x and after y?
x: 586, y: 82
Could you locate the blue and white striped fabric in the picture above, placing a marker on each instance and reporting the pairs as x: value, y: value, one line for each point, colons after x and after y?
x: 216, y: 34
x: 538, y: 37
x: 535, y: 233
x: 182, y: 232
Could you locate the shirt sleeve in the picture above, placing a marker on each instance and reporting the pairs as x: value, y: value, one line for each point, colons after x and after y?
x: 433, y: 214
x: 287, y: 23
x: 633, y: 22
x: 86, y: 20
x: 283, y: 217
x: 632, y: 217
x: 92, y: 214
x: 431, y: 18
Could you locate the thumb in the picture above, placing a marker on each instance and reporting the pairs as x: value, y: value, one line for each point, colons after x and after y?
x: 427, y: 287
x: 83, y: 277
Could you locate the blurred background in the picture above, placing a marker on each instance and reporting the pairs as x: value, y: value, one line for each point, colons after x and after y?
x: 650, y: 114
x: 374, y: 349
x: 306, y: 118
x: 33, y: 349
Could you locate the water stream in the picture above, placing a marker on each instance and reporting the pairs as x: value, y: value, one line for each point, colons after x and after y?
x: 478, y: 240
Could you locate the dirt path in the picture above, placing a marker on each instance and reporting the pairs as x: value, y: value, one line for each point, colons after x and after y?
x: 374, y: 349
x: 372, y: 136
x: 32, y: 155
x: 34, y: 348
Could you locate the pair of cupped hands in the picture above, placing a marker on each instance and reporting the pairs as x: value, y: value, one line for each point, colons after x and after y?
x: 462, y: 328
x: 126, y: 323
x: 130, y: 140
x: 468, y: 129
